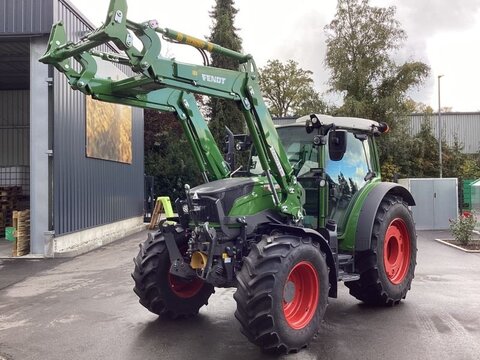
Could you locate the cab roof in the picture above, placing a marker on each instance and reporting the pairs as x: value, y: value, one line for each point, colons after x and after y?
x: 340, y: 122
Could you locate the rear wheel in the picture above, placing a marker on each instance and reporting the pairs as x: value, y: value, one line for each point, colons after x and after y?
x: 387, y: 269
x: 161, y: 292
x: 282, y: 293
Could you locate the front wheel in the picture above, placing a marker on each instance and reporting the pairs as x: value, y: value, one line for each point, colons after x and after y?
x: 388, y: 268
x: 161, y: 292
x: 282, y: 293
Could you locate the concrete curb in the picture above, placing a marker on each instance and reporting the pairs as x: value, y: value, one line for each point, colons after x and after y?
x: 85, y: 248
x: 28, y: 257
x: 457, y: 247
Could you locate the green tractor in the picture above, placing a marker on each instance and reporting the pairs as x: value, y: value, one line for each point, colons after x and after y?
x: 309, y: 209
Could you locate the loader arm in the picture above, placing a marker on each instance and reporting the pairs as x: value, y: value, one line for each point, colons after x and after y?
x: 168, y: 85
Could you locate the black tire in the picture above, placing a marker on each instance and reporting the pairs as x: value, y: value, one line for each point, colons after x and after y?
x: 262, y: 288
x: 161, y: 293
x: 381, y: 283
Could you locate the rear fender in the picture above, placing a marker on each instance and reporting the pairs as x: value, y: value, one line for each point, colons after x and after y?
x: 363, y: 234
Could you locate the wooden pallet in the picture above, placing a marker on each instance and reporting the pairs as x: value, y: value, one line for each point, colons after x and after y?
x: 10, y: 189
x: 8, y: 200
x: 21, y: 223
x: 157, y: 211
x: 5, y: 218
x: 3, y: 223
x: 10, y: 193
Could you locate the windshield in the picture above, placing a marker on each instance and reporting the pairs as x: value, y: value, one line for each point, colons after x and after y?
x: 298, y: 145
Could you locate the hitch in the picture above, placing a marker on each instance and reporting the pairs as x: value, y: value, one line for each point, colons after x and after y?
x: 211, y: 236
x: 178, y: 265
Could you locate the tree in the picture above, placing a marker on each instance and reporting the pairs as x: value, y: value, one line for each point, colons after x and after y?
x: 470, y: 168
x: 417, y: 156
x: 423, y: 153
x: 453, y: 159
x: 288, y: 90
x: 361, y: 40
x: 167, y: 155
x: 224, y: 112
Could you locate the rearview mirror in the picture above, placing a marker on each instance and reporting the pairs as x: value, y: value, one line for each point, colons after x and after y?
x: 337, y: 144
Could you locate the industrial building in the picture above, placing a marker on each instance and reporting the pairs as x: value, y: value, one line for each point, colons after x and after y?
x: 81, y: 188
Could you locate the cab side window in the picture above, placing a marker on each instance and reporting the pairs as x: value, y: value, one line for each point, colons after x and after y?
x: 346, y: 177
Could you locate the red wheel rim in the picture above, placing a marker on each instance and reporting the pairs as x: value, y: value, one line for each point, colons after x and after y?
x: 396, y: 251
x: 184, y: 288
x: 300, y: 295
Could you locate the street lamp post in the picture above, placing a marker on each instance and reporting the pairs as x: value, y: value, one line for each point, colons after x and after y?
x: 439, y: 129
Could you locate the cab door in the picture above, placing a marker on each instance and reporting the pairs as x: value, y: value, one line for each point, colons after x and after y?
x: 347, y: 176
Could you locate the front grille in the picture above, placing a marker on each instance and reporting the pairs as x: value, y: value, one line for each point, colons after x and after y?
x: 205, y: 210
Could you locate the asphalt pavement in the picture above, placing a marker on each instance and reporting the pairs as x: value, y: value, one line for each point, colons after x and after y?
x: 84, y: 308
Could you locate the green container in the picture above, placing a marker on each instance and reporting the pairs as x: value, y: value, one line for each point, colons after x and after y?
x: 9, y: 233
x: 467, y: 194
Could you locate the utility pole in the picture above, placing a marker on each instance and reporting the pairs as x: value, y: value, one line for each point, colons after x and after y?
x: 439, y: 129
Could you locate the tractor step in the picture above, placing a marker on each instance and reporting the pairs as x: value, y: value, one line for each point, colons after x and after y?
x: 346, y: 271
x: 346, y: 277
x: 345, y: 259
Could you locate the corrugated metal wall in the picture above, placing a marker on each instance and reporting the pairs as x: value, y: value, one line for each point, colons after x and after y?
x: 89, y: 192
x: 23, y: 17
x: 14, y: 128
x: 463, y: 126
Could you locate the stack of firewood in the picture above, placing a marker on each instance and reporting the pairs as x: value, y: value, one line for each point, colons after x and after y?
x: 21, y: 223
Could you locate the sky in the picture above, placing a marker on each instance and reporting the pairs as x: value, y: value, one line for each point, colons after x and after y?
x: 442, y: 33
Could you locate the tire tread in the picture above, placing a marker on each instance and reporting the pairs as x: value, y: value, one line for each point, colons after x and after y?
x: 253, y: 295
x: 148, y: 282
x: 369, y: 288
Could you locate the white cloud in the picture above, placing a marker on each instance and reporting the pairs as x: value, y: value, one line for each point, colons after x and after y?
x: 443, y: 34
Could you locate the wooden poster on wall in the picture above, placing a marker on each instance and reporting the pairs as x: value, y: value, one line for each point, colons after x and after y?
x: 109, y: 131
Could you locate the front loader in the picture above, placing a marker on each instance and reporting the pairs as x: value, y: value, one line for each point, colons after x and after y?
x: 309, y: 210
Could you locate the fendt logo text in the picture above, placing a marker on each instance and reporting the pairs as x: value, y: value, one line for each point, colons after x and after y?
x: 213, y: 79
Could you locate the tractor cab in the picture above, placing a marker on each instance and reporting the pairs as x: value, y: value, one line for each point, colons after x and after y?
x: 333, y: 158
